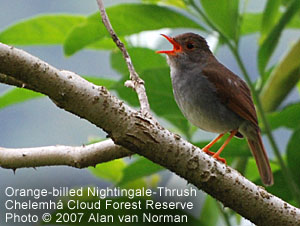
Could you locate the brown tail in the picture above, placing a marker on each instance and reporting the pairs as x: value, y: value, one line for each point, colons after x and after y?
x: 261, y: 158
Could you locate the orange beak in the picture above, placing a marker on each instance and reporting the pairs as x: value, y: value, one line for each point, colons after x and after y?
x: 176, y: 46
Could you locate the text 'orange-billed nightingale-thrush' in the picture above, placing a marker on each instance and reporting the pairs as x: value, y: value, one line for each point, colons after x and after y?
x: 213, y: 98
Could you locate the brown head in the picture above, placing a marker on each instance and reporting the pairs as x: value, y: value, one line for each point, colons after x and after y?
x: 187, y: 48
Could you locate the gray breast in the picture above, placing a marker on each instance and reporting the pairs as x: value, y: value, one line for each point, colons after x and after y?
x: 197, y: 99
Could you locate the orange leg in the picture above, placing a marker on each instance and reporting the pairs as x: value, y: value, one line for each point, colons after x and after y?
x: 207, y: 147
x: 217, y: 154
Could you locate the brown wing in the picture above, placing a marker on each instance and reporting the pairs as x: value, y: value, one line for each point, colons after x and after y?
x: 232, y: 90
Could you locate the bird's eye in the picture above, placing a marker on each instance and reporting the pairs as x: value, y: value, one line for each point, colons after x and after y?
x: 189, y: 45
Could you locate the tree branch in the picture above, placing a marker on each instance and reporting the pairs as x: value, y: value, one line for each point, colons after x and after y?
x: 136, y: 82
x: 142, y: 135
x: 11, y: 81
x: 79, y: 157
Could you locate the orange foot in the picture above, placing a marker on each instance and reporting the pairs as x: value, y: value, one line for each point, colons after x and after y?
x: 214, y: 155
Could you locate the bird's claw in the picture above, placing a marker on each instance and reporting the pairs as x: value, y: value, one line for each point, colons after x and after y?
x: 207, y: 151
x: 219, y: 159
x: 213, y: 154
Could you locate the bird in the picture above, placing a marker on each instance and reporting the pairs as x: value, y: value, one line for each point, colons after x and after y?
x: 213, y: 98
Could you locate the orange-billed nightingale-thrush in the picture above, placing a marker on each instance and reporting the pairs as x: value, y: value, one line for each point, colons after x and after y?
x: 213, y: 98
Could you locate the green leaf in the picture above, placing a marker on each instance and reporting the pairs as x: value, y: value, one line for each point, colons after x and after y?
x: 295, y: 22
x: 252, y: 173
x: 106, y: 43
x: 40, y: 30
x: 142, y: 58
x: 298, y: 87
x: 224, y: 14
x: 268, y: 46
x: 17, y: 95
x: 288, y: 117
x: 176, y: 3
x: 287, y: 72
x: 251, y: 23
x: 270, y: 17
x: 293, y: 155
x: 153, y: 69
x: 126, y: 19
x: 138, y: 169
x: 111, y: 171
x: 209, y: 214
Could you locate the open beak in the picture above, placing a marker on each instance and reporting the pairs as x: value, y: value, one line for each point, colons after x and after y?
x: 176, y: 46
